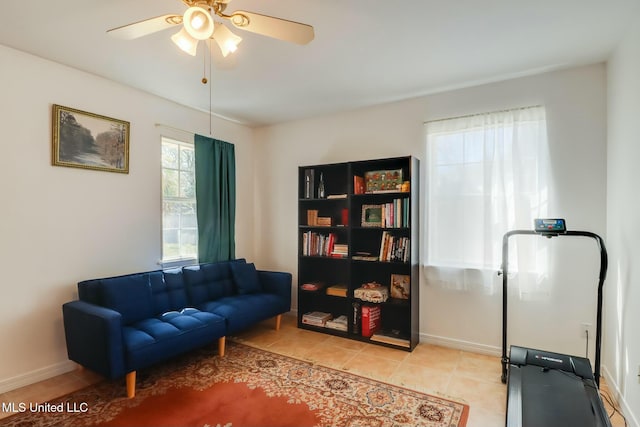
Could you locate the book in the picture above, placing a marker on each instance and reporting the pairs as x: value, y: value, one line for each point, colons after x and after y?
x: 337, y: 290
x: 336, y: 196
x: 358, y: 184
x: 316, y: 318
x: 356, y: 325
x: 312, y: 217
x: 364, y: 258
x: 371, y: 320
x: 340, y: 323
x: 391, y: 337
x: 324, y: 221
x: 340, y: 250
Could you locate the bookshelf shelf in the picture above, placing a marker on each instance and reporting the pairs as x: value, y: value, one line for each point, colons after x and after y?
x: 382, y: 228
x: 322, y: 227
x: 358, y: 226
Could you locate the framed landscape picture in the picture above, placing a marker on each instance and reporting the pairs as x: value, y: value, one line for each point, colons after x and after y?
x: 371, y: 216
x: 89, y: 141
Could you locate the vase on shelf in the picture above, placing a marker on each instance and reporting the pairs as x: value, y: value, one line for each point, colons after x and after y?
x: 321, y: 194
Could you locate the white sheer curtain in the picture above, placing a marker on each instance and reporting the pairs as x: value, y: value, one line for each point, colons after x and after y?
x: 487, y: 174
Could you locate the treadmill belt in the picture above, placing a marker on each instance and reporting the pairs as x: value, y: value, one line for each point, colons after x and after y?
x: 555, y: 399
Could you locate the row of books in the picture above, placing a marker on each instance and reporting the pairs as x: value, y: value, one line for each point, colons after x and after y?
x: 317, y: 244
x: 325, y: 320
x: 396, y: 213
x: 369, y: 320
x: 393, y: 248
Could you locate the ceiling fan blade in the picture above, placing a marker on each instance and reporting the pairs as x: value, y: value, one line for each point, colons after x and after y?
x: 277, y: 28
x: 143, y: 28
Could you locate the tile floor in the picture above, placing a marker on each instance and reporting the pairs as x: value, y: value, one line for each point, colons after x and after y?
x: 460, y: 375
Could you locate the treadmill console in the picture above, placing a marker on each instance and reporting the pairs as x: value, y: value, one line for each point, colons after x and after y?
x: 552, y: 226
x: 521, y: 356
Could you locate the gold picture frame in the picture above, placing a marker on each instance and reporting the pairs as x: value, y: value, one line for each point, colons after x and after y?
x: 89, y: 141
x: 371, y: 216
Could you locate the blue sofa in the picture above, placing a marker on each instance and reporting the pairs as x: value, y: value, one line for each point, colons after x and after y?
x: 122, y: 324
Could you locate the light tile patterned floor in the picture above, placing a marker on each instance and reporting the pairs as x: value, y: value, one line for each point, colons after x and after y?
x: 468, y: 377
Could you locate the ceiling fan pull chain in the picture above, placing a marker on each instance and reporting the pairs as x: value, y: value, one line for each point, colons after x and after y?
x: 210, y: 89
x: 204, y: 66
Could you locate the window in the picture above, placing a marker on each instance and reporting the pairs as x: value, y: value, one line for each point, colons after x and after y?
x: 487, y: 174
x: 179, y: 220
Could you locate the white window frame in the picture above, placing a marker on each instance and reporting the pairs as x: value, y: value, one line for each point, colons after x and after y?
x: 170, y: 261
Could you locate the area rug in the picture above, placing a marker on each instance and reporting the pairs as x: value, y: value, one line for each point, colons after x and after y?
x: 247, y: 387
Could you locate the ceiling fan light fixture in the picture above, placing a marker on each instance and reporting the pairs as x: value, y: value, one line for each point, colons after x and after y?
x: 226, y: 40
x: 198, y: 23
x: 185, y: 42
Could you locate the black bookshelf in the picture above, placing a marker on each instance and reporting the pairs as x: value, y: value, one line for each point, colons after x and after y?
x: 350, y: 218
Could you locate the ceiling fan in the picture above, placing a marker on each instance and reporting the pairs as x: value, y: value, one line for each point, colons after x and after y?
x: 198, y: 24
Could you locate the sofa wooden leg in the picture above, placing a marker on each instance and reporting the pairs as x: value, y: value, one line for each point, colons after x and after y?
x: 131, y: 384
x: 221, y: 343
x: 278, y: 320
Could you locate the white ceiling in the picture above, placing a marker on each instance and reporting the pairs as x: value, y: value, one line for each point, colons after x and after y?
x: 365, y: 52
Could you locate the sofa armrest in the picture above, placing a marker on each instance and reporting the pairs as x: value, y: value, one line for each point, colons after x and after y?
x: 278, y: 283
x: 94, y: 337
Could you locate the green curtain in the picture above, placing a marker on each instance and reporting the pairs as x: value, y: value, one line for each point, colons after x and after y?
x: 215, y: 198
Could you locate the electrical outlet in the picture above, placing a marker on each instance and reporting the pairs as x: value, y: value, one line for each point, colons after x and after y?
x: 585, y: 328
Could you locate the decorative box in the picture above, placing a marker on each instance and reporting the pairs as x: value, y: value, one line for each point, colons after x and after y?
x: 375, y: 294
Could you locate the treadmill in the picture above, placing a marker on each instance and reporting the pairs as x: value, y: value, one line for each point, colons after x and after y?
x: 546, y: 389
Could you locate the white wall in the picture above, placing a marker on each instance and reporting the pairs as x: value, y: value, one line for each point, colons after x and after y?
x: 60, y: 225
x: 622, y: 349
x: 576, y: 113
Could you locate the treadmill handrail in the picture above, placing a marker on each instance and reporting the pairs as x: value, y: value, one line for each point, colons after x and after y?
x: 504, y: 270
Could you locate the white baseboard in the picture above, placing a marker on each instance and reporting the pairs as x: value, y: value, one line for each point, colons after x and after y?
x: 461, y: 345
x: 36, y: 376
x: 632, y: 420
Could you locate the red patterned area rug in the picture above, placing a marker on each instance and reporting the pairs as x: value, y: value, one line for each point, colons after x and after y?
x: 247, y: 387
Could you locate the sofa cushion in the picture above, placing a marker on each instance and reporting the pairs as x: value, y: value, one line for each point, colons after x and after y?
x: 211, y: 281
x: 175, y: 288
x: 243, y: 311
x: 245, y: 276
x: 128, y: 295
x: 158, y: 338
